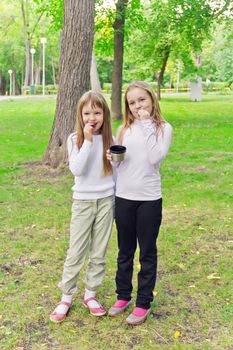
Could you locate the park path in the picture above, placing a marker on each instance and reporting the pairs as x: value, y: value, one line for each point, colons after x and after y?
x: 23, y: 97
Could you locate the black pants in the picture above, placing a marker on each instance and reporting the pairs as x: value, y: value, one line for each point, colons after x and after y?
x: 137, y: 221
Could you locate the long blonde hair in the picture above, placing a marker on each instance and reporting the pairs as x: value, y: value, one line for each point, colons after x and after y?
x: 156, y: 114
x: 97, y: 100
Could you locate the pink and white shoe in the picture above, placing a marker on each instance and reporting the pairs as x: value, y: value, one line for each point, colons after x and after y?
x: 138, y: 316
x: 59, y: 317
x: 119, y: 307
x: 95, y: 311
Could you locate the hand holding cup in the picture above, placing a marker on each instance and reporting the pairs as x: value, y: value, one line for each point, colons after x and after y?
x: 108, y: 155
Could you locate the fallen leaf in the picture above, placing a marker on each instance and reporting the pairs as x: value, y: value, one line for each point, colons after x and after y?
x: 213, y: 277
x: 201, y: 228
x: 155, y: 293
x: 181, y: 266
x: 177, y: 334
x: 72, y: 331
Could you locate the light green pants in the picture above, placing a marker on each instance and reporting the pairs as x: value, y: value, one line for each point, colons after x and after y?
x: 90, y: 230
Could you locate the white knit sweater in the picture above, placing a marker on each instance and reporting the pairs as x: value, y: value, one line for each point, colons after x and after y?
x: 86, y: 164
x: 138, y: 176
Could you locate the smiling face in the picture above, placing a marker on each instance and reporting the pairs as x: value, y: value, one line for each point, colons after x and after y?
x: 137, y: 99
x: 94, y: 116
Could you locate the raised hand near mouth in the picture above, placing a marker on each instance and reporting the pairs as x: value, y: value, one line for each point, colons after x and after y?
x: 87, y: 130
x: 143, y: 114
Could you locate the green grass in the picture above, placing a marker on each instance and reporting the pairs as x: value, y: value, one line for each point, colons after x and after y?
x: 195, y: 241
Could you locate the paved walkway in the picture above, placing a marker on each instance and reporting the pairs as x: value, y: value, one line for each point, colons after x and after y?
x: 23, y: 97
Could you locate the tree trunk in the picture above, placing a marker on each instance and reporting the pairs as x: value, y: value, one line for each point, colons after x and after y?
x: 161, y: 73
x: 75, y: 62
x: 118, y: 58
x: 2, y: 85
x: 95, y: 82
x: 13, y: 82
x: 53, y: 70
x: 37, y: 73
x: 27, y: 43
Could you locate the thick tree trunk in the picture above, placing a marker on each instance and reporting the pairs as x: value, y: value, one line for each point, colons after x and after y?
x: 95, y: 82
x: 118, y: 58
x: 161, y: 73
x: 75, y: 62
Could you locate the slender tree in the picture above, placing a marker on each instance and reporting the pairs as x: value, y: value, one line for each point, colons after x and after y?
x: 75, y: 62
x: 118, y: 58
x: 28, y: 32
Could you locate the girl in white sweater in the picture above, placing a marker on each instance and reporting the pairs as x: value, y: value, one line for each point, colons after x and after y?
x: 93, y: 200
x: 138, y: 202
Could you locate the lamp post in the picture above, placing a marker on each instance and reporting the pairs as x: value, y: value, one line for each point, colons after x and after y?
x: 43, y: 42
x: 32, y: 51
x: 10, y: 71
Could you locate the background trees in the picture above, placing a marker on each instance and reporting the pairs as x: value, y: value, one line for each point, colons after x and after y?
x: 155, y: 40
x: 157, y: 35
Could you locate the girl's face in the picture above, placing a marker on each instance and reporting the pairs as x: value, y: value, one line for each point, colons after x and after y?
x: 94, y: 116
x: 137, y: 99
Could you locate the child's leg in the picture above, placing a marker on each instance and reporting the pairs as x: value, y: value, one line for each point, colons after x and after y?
x: 101, y: 232
x: 148, y: 224
x: 80, y: 231
x: 125, y: 216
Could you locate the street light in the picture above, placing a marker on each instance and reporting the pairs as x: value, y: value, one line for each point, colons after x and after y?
x: 43, y: 42
x: 10, y: 71
x: 32, y: 51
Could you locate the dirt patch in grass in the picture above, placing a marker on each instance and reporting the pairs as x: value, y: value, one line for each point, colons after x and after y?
x: 41, y: 170
x: 202, y: 169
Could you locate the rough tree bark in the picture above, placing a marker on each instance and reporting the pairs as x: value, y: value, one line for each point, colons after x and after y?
x: 75, y: 62
x: 118, y: 58
x: 161, y: 73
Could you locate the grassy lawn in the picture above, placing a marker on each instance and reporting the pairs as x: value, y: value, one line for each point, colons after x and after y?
x: 193, y: 298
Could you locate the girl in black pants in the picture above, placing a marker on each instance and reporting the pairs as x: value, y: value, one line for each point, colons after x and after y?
x: 138, y: 206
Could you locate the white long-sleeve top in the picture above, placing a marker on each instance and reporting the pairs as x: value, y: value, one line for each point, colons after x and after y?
x: 86, y: 164
x: 138, y: 176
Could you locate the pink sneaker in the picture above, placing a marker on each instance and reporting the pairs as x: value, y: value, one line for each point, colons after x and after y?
x: 56, y: 317
x: 138, y: 316
x: 119, y: 307
x: 96, y: 311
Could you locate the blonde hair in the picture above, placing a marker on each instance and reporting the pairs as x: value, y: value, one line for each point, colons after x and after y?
x: 156, y: 114
x: 97, y: 100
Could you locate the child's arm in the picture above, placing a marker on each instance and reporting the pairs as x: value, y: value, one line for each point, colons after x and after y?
x: 157, y: 146
x: 78, y: 158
